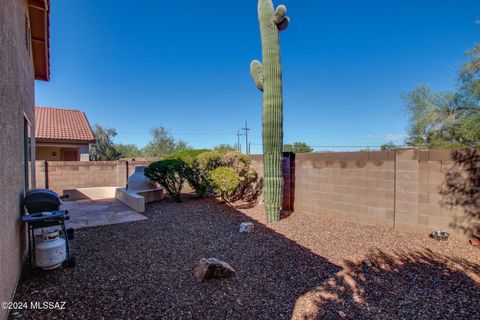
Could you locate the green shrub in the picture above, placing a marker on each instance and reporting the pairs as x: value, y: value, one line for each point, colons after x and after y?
x: 238, y: 161
x: 210, y: 160
x: 231, y: 175
x: 250, y: 186
x: 170, y: 174
x: 188, y: 156
x: 197, y: 177
x: 225, y: 181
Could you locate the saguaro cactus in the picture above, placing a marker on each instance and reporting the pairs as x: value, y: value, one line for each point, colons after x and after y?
x: 268, y: 78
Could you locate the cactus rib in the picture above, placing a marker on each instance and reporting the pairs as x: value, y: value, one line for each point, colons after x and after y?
x: 268, y: 78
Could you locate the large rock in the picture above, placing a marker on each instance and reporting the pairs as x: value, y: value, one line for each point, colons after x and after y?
x: 213, y: 268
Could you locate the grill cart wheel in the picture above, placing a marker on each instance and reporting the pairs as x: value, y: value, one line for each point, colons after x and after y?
x: 70, y: 262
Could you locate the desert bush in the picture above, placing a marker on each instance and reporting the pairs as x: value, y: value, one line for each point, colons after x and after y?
x: 195, y: 175
x: 170, y: 174
x: 225, y: 181
x: 210, y: 160
x: 206, y: 170
x: 187, y: 156
x: 238, y: 161
x: 250, y: 185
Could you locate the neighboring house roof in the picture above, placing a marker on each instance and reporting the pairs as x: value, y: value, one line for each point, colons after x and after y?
x: 39, y: 13
x: 62, y: 125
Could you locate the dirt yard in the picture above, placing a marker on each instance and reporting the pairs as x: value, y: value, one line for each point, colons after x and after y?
x: 305, y: 267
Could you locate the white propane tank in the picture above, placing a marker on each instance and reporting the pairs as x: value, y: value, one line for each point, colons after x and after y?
x: 51, y: 252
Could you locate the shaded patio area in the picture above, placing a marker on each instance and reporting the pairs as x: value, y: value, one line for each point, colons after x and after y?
x: 305, y: 267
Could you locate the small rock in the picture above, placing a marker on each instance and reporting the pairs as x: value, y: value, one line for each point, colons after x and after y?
x: 213, y: 268
x: 368, y: 263
x: 246, y: 227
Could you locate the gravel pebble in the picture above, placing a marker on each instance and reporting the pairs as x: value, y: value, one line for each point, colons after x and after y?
x: 304, y: 267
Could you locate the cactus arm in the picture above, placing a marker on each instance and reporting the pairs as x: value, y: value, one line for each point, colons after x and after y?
x: 279, y: 14
x: 256, y: 70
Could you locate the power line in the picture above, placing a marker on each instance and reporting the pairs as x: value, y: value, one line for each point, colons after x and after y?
x: 179, y: 133
x: 201, y: 134
x: 338, y: 146
x: 246, y: 129
x: 239, y: 147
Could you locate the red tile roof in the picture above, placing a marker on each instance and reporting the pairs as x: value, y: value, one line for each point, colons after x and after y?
x: 62, y: 125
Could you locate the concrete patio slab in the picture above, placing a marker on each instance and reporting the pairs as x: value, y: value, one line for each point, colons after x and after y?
x: 133, y: 198
x: 90, y: 213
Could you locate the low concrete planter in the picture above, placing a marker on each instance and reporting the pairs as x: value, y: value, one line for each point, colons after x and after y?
x: 138, y: 198
x: 135, y: 199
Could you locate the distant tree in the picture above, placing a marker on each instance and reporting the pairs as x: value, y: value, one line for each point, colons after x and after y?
x: 238, y: 147
x: 181, y: 145
x: 224, y: 148
x: 447, y: 119
x: 297, y: 147
x: 104, y: 148
x: 163, y: 143
x: 128, y: 150
x: 469, y: 76
x: 389, y: 146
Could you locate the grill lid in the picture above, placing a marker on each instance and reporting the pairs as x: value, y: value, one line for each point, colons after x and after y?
x: 39, y: 200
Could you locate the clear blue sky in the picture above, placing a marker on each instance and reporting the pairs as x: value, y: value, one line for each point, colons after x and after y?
x: 133, y: 65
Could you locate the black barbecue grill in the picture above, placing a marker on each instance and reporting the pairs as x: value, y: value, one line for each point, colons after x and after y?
x: 43, y: 207
x: 42, y: 200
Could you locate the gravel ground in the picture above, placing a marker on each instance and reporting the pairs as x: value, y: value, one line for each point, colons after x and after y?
x: 304, y: 267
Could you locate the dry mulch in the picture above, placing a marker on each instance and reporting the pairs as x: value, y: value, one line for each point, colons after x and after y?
x: 305, y: 267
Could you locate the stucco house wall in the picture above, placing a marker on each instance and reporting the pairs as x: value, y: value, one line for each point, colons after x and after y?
x: 16, y: 99
x: 49, y: 152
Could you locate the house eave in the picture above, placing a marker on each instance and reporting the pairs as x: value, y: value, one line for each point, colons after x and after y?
x: 63, y: 141
x: 40, y: 37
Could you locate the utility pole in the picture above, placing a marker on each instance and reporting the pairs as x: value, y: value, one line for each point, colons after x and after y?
x: 246, y: 129
x: 239, y: 148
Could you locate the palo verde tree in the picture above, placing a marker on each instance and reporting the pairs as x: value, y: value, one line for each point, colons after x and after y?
x: 447, y: 119
x: 224, y: 148
x: 128, y: 150
x: 163, y: 143
x: 103, y: 149
x: 268, y: 79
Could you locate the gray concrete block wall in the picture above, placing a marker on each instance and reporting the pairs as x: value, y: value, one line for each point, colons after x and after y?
x: 62, y: 175
x: 40, y: 170
x: 348, y: 186
x: 401, y: 189
x: 406, y: 191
